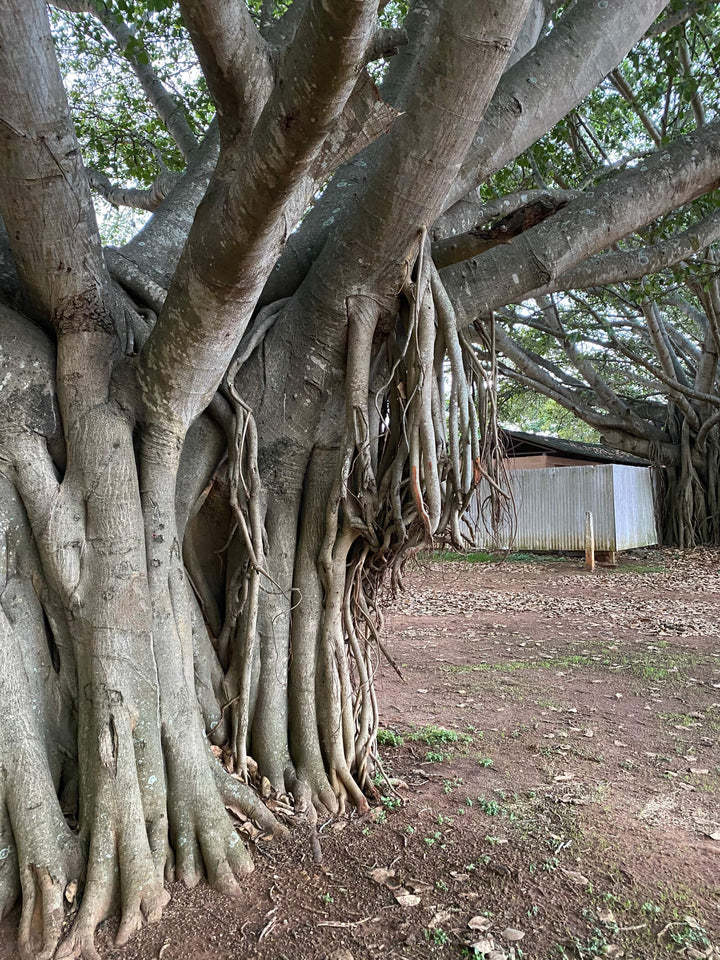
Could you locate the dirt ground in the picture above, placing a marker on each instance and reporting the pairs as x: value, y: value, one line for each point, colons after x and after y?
x: 555, y: 754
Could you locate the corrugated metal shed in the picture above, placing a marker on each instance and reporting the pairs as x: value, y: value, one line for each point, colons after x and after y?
x: 551, y: 503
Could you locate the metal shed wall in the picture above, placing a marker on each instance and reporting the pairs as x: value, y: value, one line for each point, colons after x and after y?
x: 551, y: 504
x: 634, y: 507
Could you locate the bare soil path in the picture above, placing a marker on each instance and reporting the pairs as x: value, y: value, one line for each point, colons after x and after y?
x: 555, y: 751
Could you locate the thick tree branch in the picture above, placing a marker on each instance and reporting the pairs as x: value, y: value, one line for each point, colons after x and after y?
x: 480, y: 238
x: 536, y: 259
x: 588, y: 42
x: 235, y: 60
x: 451, y: 90
x: 45, y: 200
x: 385, y: 43
x: 666, y: 454
x: 473, y: 213
x: 626, y: 265
x: 257, y: 192
x: 156, y: 249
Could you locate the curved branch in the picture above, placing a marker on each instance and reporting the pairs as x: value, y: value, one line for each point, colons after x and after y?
x: 531, y: 374
x: 165, y: 105
x: 588, y: 42
x: 607, y: 396
x: 675, y: 19
x: 536, y: 259
x: 139, y: 199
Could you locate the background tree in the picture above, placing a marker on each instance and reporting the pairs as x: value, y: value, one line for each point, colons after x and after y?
x: 627, y: 341
x: 642, y: 372
x: 221, y: 439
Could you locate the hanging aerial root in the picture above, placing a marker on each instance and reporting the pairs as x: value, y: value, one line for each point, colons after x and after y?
x: 244, y: 587
x: 336, y: 716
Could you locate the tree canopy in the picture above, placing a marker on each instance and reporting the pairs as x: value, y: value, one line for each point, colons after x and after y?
x: 231, y: 412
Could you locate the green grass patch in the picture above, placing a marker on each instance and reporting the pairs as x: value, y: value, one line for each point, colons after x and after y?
x: 436, y: 736
x: 480, y: 556
x: 660, y: 665
x: 389, y: 738
x: 484, y: 556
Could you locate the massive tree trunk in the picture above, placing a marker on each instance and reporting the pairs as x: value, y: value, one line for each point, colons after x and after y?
x: 221, y: 442
x: 145, y: 660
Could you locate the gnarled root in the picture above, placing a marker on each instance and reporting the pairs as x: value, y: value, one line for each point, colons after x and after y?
x: 201, y: 832
x: 40, y: 855
x: 127, y: 843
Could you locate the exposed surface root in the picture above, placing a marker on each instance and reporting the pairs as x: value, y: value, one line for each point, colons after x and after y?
x: 201, y: 832
x: 45, y: 858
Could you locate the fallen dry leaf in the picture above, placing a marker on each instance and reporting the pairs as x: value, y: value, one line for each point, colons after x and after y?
x: 442, y: 916
x: 482, y: 947
x: 407, y: 899
x: 576, y: 877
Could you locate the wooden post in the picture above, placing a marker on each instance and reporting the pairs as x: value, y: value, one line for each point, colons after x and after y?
x: 589, y: 542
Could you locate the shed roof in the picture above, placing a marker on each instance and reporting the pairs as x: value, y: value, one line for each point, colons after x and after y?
x: 519, y: 444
